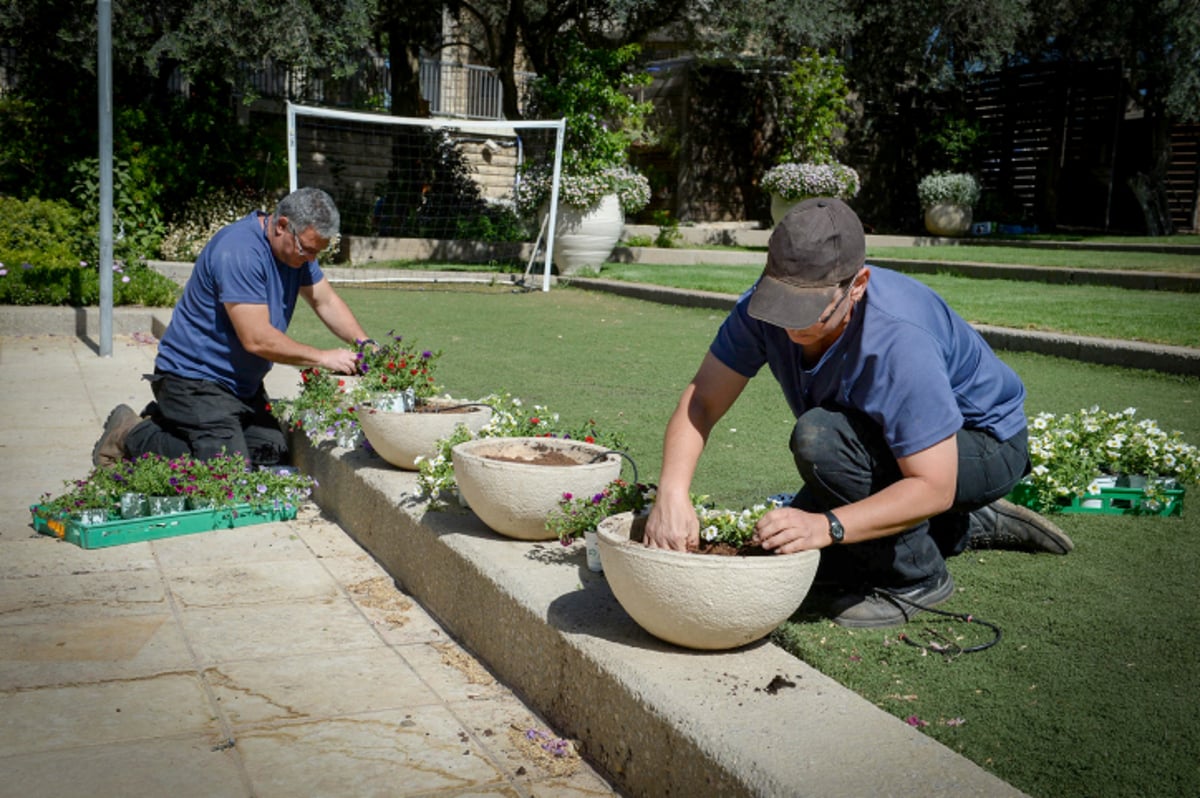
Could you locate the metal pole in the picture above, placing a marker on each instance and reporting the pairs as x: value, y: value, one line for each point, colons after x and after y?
x: 104, y: 71
x: 293, y: 168
x: 553, y: 226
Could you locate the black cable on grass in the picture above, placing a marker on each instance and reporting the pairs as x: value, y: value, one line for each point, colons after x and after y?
x: 950, y: 648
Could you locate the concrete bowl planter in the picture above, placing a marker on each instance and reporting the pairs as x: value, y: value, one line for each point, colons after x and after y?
x: 513, y: 484
x: 400, y: 438
x: 701, y: 601
x: 950, y: 221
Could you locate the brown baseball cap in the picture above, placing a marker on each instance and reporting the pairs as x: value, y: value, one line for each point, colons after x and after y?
x: 819, y: 244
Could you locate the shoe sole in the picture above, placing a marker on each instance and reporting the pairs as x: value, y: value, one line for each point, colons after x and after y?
x: 907, y: 610
x: 113, y: 424
x: 1054, y: 540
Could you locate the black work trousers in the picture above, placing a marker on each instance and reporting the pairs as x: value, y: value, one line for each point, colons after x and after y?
x: 204, y: 419
x: 843, y: 458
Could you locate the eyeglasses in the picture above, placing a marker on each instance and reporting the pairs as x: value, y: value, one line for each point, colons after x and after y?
x: 304, y: 253
x: 837, y: 304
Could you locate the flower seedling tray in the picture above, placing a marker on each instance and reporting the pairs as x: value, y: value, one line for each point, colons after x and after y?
x: 1109, y: 501
x: 119, y: 531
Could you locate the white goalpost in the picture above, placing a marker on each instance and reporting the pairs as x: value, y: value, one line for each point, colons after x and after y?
x: 444, y: 179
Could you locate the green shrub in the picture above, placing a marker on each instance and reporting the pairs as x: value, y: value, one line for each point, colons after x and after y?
x: 497, y: 222
x: 78, y: 285
x: 137, y: 220
x: 668, y: 236
x: 40, y: 233
x: 44, y: 260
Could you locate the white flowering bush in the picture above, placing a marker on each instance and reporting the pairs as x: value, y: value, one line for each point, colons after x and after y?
x: 1070, y: 451
x: 797, y: 181
x: 204, y: 216
x: 948, y: 188
x: 582, y: 191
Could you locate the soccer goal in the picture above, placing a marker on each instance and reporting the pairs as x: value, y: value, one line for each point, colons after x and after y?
x: 451, y: 181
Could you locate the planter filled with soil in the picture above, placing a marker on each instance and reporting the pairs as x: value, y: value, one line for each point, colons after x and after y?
x: 513, y: 484
x: 402, y: 437
x: 718, y: 599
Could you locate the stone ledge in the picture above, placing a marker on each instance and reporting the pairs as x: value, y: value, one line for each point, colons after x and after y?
x: 81, y: 322
x: 660, y: 720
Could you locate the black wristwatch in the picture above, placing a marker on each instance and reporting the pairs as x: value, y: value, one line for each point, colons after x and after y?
x: 836, y: 530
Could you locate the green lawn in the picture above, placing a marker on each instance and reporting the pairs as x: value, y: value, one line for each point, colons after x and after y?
x: 1091, y: 691
x: 1153, y: 316
x: 1058, y: 258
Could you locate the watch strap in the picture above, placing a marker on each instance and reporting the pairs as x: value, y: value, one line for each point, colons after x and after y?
x: 836, y: 530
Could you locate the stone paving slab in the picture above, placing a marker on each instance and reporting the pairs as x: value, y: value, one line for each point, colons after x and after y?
x: 272, y: 660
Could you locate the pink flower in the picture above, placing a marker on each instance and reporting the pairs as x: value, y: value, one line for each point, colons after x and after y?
x: 913, y: 720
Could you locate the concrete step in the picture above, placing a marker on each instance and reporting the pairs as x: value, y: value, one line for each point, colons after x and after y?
x: 660, y: 720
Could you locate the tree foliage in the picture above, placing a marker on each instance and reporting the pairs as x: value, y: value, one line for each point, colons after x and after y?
x: 816, y: 107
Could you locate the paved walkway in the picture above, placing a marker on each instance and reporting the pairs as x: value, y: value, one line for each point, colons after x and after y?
x: 271, y: 660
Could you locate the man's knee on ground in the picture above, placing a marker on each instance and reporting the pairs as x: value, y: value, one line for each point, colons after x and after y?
x: 811, y: 437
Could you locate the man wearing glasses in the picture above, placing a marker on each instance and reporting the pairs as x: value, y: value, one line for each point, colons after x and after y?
x: 909, y: 430
x: 226, y: 332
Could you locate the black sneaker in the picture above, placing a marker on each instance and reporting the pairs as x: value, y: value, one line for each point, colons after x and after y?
x: 884, y: 607
x: 1004, y: 525
x: 111, y: 446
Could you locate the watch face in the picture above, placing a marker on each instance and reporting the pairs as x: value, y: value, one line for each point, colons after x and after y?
x: 836, y: 531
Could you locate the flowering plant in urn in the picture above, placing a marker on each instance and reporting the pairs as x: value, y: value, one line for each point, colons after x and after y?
x: 589, y: 89
x: 812, y: 118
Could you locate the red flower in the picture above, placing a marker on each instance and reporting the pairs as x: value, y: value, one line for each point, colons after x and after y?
x: 589, y: 439
x: 535, y: 421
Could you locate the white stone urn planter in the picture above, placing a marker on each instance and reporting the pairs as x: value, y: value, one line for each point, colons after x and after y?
x: 513, y: 484
x: 402, y: 437
x: 948, y: 220
x: 781, y: 206
x: 585, y: 239
x: 702, y: 601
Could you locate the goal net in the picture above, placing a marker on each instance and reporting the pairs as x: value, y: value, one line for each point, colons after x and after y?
x: 448, y: 181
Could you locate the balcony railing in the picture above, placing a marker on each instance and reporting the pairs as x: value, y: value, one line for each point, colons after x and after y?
x: 465, y: 91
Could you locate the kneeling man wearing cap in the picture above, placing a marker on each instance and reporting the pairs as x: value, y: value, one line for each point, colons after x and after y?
x: 909, y: 430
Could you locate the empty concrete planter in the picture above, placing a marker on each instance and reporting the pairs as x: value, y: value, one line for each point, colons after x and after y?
x: 703, y: 601
x: 400, y: 438
x: 513, y: 484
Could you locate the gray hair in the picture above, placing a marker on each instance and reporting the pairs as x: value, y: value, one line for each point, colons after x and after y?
x: 311, y: 207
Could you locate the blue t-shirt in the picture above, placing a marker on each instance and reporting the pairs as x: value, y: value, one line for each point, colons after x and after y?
x: 236, y: 265
x: 906, y: 360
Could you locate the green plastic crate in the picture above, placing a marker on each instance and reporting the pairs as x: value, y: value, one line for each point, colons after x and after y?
x: 1109, y: 501
x: 117, y: 532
